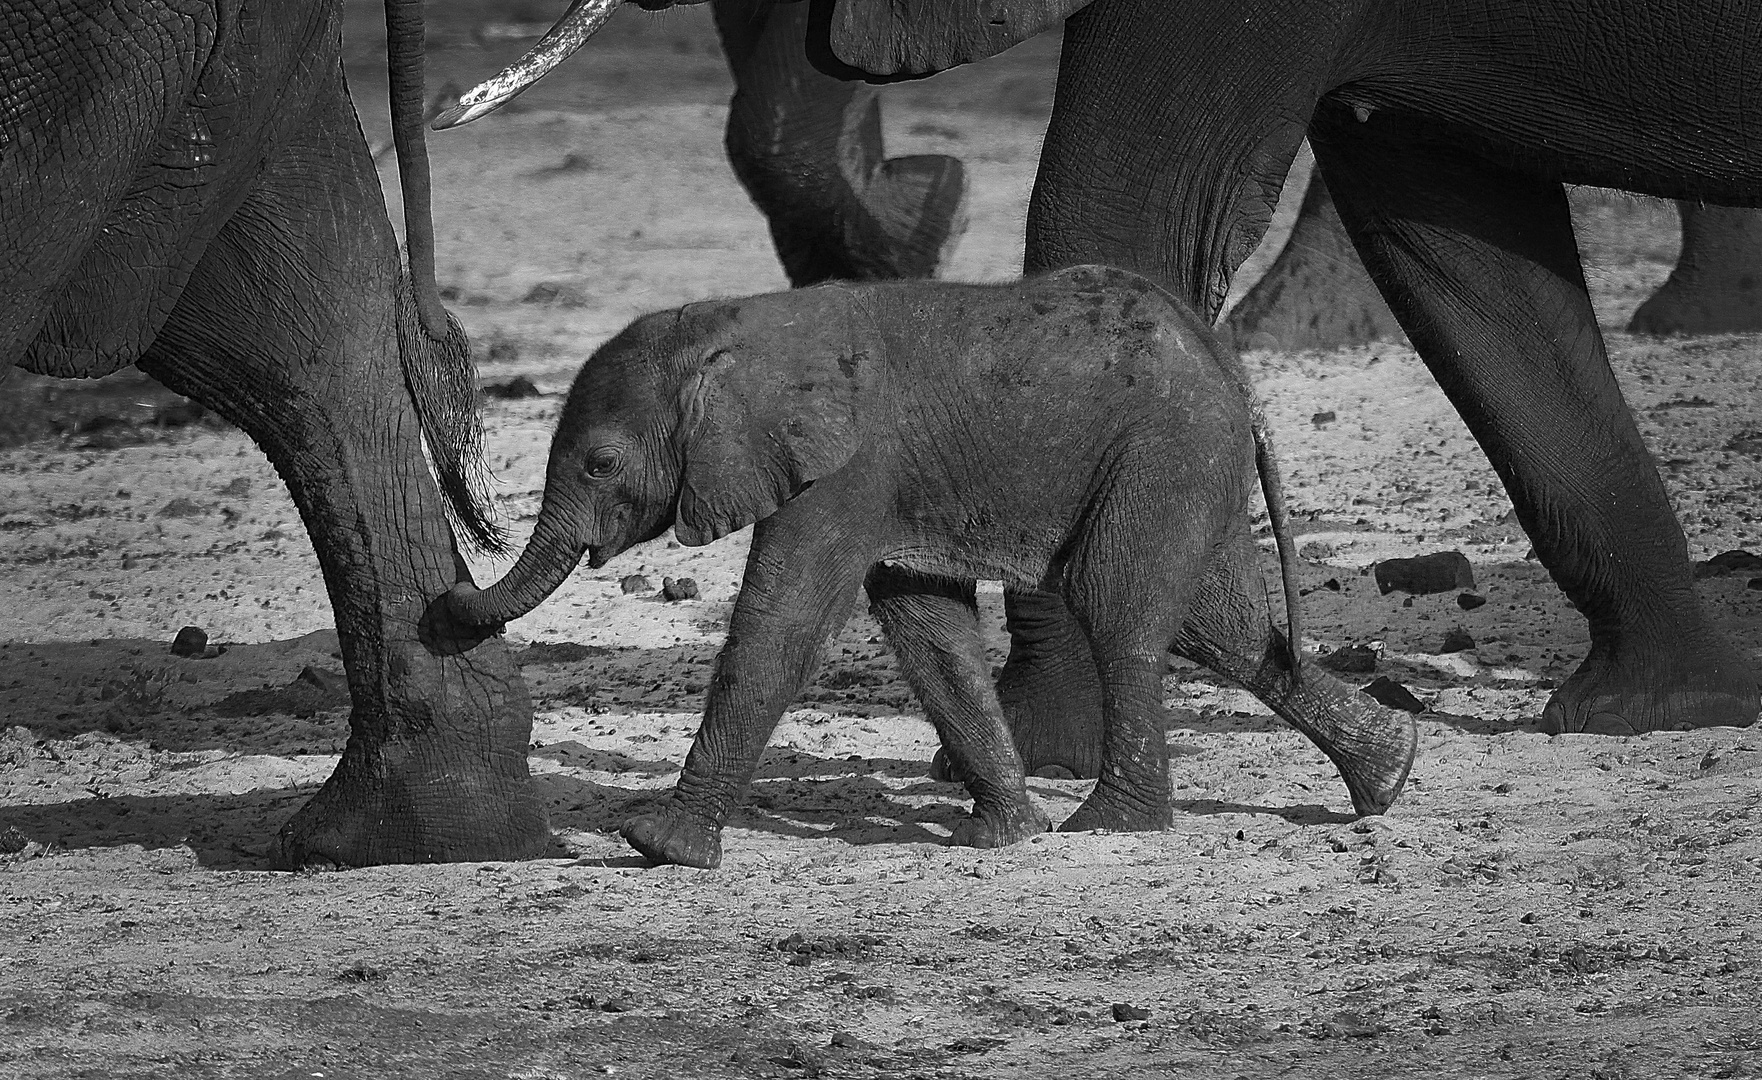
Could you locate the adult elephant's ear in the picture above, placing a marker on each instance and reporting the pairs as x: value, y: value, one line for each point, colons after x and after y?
x: 777, y: 408
x: 914, y: 38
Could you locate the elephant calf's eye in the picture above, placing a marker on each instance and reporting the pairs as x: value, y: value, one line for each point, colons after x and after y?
x: 602, y: 465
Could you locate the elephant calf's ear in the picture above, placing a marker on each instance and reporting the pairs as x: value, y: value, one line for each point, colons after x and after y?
x: 757, y: 430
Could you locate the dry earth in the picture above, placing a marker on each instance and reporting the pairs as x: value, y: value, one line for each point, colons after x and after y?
x: 1534, y: 907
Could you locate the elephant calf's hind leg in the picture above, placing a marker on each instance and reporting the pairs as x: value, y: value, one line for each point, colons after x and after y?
x: 932, y: 624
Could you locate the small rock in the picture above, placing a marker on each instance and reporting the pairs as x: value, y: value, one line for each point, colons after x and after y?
x: 679, y: 588
x: 361, y: 972
x: 331, y: 683
x: 1124, y: 1013
x: 1316, y: 551
x: 1469, y: 601
x: 1439, y: 572
x: 1353, y: 660
x: 513, y: 390
x: 1457, y: 640
x: 191, y: 641
x: 1394, y: 695
x: 844, y: 1040
x: 635, y: 583
x: 1321, y: 418
x: 12, y: 841
x: 179, y: 507
x: 557, y: 294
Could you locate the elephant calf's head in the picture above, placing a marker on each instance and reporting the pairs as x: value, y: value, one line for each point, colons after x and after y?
x: 706, y: 419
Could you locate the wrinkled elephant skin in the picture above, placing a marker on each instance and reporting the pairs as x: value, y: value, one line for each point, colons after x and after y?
x: 186, y: 187
x: 1081, y: 435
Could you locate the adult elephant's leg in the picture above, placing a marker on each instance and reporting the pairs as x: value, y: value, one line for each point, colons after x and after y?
x: 933, y: 626
x: 808, y: 149
x: 289, y: 328
x: 1480, y: 265
x: 1228, y: 629
x: 1716, y: 287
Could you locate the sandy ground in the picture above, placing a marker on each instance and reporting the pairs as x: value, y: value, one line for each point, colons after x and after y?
x: 1533, y: 907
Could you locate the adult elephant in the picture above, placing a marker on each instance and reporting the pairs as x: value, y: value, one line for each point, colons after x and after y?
x: 184, y: 186
x: 1445, y: 132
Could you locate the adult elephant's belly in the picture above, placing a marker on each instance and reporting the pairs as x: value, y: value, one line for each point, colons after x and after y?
x: 1657, y: 99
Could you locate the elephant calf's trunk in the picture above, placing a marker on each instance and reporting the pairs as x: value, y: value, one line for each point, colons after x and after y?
x: 542, y: 569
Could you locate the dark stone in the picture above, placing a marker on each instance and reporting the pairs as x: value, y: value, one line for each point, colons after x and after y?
x: 1394, y: 695
x: 1457, y: 640
x: 513, y: 390
x: 191, y: 641
x: 1353, y: 660
x: 1439, y: 572
x: 1469, y: 601
x: 557, y: 293
x: 634, y: 583
x: 180, y: 507
x: 1123, y: 1013
x: 1321, y: 418
x: 679, y: 589
x: 1728, y: 562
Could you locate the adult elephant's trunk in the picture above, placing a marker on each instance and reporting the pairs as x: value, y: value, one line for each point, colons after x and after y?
x: 549, y: 557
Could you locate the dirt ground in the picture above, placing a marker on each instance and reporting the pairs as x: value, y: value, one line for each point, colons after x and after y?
x: 1573, y: 906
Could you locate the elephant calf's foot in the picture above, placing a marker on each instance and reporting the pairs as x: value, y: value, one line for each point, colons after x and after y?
x: 671, y: 835
x: 1113, y: 808
x: 1000, y: 828
x: 1700, y: 684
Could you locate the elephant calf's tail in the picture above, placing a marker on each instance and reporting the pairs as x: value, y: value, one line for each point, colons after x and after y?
x: 1274, y: 490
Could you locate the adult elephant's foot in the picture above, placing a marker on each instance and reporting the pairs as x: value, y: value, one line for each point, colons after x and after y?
x: 999, y: 828
x: 413, y: 808
x: 670, y: 834
x: 1049, y: 689
x: 1117, y: 809
x: 1700, y: 684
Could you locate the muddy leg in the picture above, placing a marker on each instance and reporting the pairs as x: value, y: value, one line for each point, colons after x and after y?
x: 933, y: 626
x: 1227, y: 629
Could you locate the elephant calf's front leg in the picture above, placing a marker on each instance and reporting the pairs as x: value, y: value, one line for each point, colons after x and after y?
x: 800, y: 579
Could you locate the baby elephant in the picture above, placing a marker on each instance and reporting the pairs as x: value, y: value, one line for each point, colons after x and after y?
x: 1080, y: 433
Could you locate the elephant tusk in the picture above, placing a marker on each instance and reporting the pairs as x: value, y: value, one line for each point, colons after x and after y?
x: 580, y: 22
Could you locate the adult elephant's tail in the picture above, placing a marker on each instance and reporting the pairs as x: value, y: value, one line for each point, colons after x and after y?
x: 436, y: 356
x: 1273, y: 488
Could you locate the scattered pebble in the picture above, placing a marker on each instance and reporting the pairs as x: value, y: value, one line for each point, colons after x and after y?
x: 513, y: 390
x: 635, y: 583
x: 1124, y: 1013
x: 1352, y: 660
x: 679, y: 588
x: 1457, y: 640
x: 1439, y: 572
x: 192, y: 643
x: 1469, y: 601
x: 1394, y: 695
